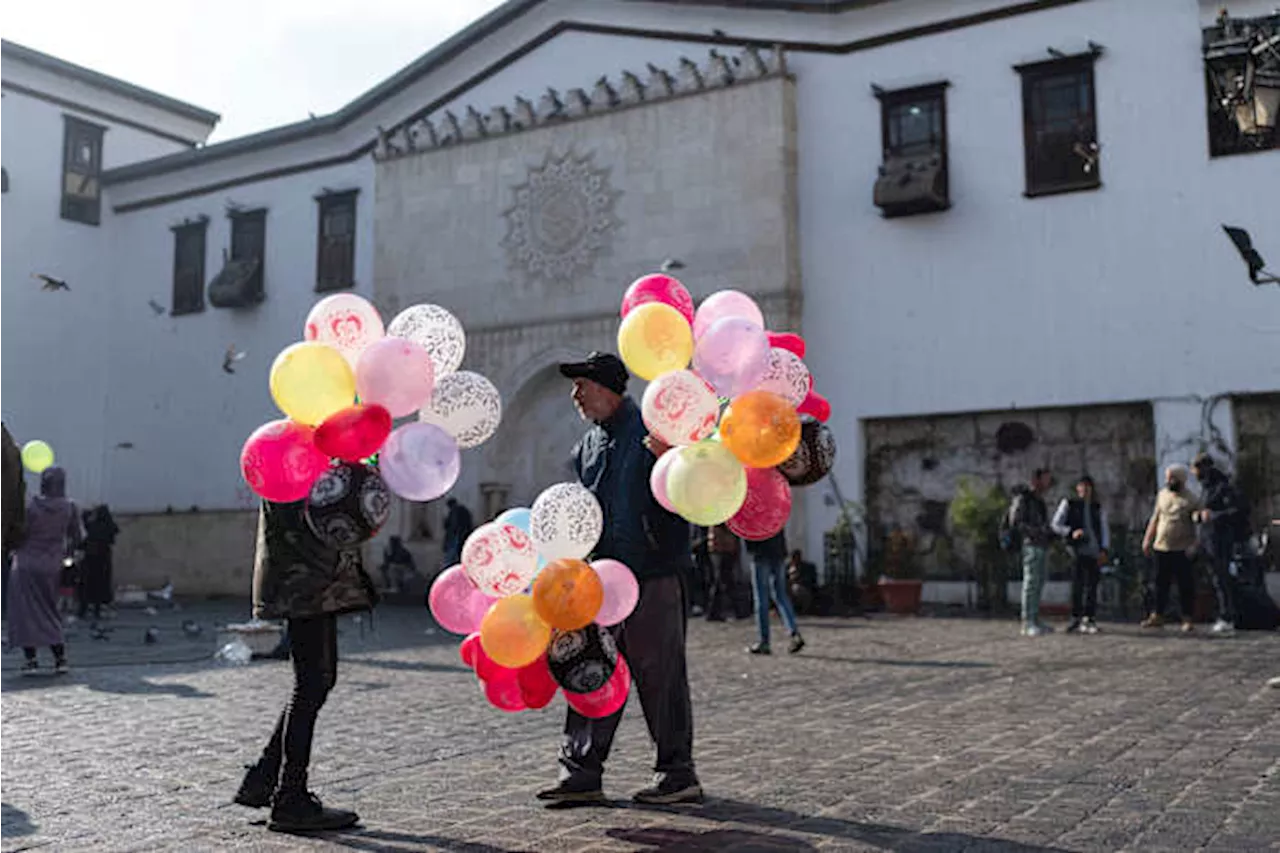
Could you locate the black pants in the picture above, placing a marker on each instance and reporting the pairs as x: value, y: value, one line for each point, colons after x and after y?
x: 59, y: 652
x: 1171, y: 565
x: 652, y: 639
x: 723, y: 580
x: 1084, y: 587
x: 314, y: 642
x: 1223, y: 585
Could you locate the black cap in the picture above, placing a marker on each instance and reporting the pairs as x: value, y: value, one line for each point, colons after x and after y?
x: 1202, y: 461
x: 602, y: 367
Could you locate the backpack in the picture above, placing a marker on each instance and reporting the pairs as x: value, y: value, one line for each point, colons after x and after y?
x: 1010, y: 537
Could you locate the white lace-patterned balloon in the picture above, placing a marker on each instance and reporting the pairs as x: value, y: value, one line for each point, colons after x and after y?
x: 437, y: 331
x: 346, y: 322
x: 565, y: 522
x: 788, y: 377
x: 465, y: 405
x: 680, y: 408
x: 500, y: 559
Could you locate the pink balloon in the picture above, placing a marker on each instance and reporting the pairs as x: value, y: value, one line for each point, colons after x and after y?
x: 816, y: 405
x: 768, y: 505
x: 396, y: 373
x: 470, y: 650
x: 658, y: 288
x: 280, y: 461
x: 346, y: 322
x: 680, y: 408
x: 503, y: 691
x: 621, y: 591
x: 733, y: 356
x: 788, y: 341
x: 456, y: 603
x: 787, y: 376
x: 658, y: 481
x: 420, y: 462
x: 606, y: 701
x: 725, y: 303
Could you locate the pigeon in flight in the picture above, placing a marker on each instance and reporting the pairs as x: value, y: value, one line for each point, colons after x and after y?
x: 50, y: 283
x: 672, y: 264
x: 231, y: 357
x: 156, y: 307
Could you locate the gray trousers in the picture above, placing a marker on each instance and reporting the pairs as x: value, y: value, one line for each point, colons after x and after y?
x: 652, y: 639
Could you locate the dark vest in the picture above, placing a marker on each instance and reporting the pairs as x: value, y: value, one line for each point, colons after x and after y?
x: 1075, y: 518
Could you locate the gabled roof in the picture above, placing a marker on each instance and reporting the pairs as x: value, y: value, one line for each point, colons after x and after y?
x: 12, y: 50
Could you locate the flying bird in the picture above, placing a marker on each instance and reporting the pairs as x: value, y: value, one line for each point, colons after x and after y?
x: 50, y: 283
x: 156, y: 307
x: 231, y: 357
x: 672, y: 264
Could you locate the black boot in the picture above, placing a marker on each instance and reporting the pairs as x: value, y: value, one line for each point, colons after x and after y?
x: 256, y: 789
x: 302, y: 811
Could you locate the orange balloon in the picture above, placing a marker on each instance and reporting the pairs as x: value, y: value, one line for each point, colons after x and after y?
x: 568, y: 594
x: 511, y: 633
x: 761, y: 429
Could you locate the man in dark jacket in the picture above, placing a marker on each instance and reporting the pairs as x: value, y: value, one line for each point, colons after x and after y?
x: 1224, y: 524
x: 614, y: 460
x: 457, y: 527
x: 301, y: 579
x: 1029, y: 517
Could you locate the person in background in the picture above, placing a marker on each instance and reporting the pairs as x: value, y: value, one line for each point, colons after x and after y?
x: 724, y: 549
x: 96, y: 587
x: 1171, y: 539
x: 803, y: 578
x: 700, y: 573
x: 397, y: 565
x: 458, y: 525
x: 1082, y: 522
x: 769, y: 581
x: 1030, y: 518
x: 52, y: 533
x: 1224, y: 524
x: 13, y: 505
x: 298, y: 578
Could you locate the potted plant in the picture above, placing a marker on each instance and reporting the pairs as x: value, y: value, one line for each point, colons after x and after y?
x: 900, y: 584
x: 975, y: 512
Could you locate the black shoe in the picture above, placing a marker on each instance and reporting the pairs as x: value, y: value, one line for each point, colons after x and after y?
x: 571, y: 793
x: 1073, y: 626
x: 303, y: 812
x: 797, y: 643
x: 256, y: 789
x: 716, y: 618
x: 61, y: 667
x: 670, y: 792
x: 760, y: 649
x: 30, y: 667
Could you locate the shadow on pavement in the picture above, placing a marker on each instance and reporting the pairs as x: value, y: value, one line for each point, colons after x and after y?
x: 680, y: 841
x: 881, y: 836
x: 405, y: 666
x: 114, y: 681
x: 15, y: 822
x: 939, y: 664
x: 374, y: 839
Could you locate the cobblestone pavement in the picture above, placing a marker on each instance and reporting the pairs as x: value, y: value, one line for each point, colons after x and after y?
x: 904, y: 735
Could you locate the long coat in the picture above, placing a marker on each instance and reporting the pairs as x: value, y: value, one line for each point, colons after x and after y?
x: 295, y: 575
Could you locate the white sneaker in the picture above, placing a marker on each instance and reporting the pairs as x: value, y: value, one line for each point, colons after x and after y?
x: 1089, y: 627
x: 1034, y: 630
x: 1274, y: 682
x: 1222, y: 628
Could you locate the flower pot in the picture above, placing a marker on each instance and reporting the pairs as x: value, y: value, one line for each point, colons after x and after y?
x: 901, y: 596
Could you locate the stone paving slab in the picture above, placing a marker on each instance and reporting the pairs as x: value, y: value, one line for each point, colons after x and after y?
x: 889, y: 734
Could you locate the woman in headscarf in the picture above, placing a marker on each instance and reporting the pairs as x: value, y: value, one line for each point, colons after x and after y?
x: 52, y: 532
x: 1171, y: 539
x: 100, y: 533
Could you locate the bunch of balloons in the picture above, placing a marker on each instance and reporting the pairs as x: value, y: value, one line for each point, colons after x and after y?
x: 744, y: 422
x: 342, y: 388
x: 535, y: 612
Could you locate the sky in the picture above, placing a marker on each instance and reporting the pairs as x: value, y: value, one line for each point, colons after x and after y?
x: 259, y: 63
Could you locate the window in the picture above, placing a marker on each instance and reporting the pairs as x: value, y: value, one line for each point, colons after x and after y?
x: 913, y: 130
x: 336, y: 244
x: 188, y: 267
x: 81, y: 168
x: 1059, y: 125
x: 1242, y: 83
x: 249, y: 246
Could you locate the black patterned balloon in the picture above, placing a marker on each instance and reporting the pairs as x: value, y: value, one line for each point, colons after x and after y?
x: 348, y: 505
x: 814, y: 456
x: 582, y: 661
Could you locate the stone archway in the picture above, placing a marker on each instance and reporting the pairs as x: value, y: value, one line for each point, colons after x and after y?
x: 541, y: 428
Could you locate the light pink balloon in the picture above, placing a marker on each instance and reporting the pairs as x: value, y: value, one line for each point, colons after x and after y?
x: 768, y: 505
x: 658, y: 481
x: 733, y: 356
x: 500, y: 559
x: 457, y: 603
x: 680, y: 408
x: 658, y: 287
x: 621, y: 591
x: 787, y: 376
x: 608, y: 700
x: 346, y: 322
x: 395, y: 373
x: 725, y: 303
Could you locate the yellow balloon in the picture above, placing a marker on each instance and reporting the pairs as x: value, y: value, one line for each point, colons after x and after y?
x: 655, y: 339
x: 311, y: 381
x: 511, y: 633
x: 762, y: 429
x: 706, y: 483
x: 37, y: 456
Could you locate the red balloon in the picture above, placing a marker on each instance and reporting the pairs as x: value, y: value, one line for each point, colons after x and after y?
x: 537, y: 686
x: 658, y: 288
x: 355, y: 433
x: 816, y: 405
x: 503, y: 692
x: 606, y: 701
x: 768, y: 505
x: 787, y: 341
x: 280, y: 461
x: 467, y: 651
x: 484, y: 666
